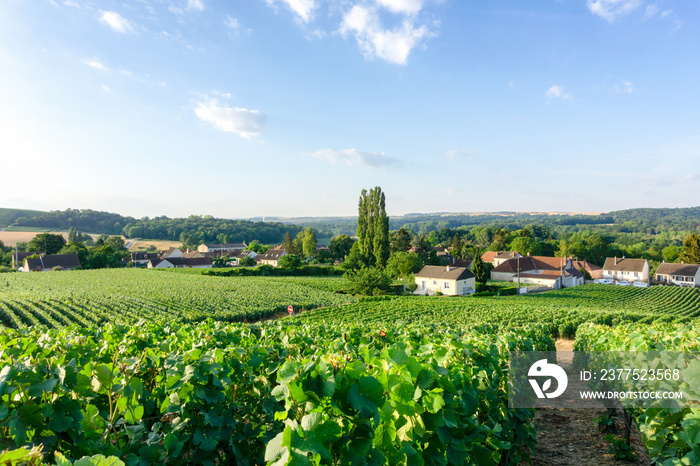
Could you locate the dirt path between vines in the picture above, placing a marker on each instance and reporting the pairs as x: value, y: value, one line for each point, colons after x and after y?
x: 571, y: 436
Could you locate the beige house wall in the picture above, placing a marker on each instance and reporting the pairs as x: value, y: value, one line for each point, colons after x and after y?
x: 447, y: 287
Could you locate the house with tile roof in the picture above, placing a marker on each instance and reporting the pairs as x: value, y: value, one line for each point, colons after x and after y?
x: 593, y: 270
x: 271, y: 257
x: 50, y: 262
x: 18, y: 257
x: 180, y: 263
x: 554, y: 272
x: 620, y: 269
x: 445, y: 279
x: 227, y: 247
x: 498, y: 257
x: 678, y: 274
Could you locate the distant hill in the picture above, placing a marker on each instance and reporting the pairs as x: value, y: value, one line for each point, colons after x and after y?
x: 682, y: 218
x: 8, y: 216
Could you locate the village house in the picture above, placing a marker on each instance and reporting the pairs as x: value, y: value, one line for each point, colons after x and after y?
x: 553, y: 272
x: 445, y: 279
x: 142, y: 258
x: 170, y: 252
x: 448, y: 259
x: 498, y: 257
x: 593, y: 270
x: 18, y: 257
x: 228, y: 247
x: 49, y: 262
x: 271, y: 257
x: 678, y: 274
x: 180, y: 263
x: 622, y: 269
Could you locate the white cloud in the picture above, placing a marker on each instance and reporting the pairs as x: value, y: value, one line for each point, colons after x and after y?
x: 354, y: 157
x: 106, y: 89
x: 651, y: 11
x: 303, y: 8
x: 402, y: 6
x: 231, y: 23
x: 455, y: 153
x: 246, y: 123
x: 393, y: 45
x: 195, y: 5
x: 665, y: 13
x: 116, y: 21
x: 625, y: 88
x: 557, y: 92
x: 95, y: 63
x: 612, y: 9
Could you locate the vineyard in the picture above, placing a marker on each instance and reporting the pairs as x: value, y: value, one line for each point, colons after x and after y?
x: 376, y: 380
x: 561, y: 311
x: 672, y: 436
x: 125, y: 296
x: 216, y: 393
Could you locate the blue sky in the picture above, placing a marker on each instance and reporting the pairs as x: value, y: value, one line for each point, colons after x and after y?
x: 292, y: 107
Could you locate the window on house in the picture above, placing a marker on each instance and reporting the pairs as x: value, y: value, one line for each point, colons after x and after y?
x: 434, y: 282
x: 423, y: 284
x: 446, y: 285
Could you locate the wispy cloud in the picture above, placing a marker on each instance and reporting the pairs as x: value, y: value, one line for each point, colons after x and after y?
x: 197, y: 5
x: 625, y: 87
x: 651, y: 11
x: 304, y: 9
x: 453, y: 154
x: 611, y: 10
x: 557, y: 92
x: 354, y: 157
x: 232, y: 23
x: 106, y: 89
x: 95, y: 63
x: 402, y: 6
x: 244, y: 122
x: 392, y: 45
x: 116, y: 21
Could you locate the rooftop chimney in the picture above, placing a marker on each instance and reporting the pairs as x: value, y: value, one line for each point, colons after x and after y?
x: 615, y: 260
x: 447, y: 269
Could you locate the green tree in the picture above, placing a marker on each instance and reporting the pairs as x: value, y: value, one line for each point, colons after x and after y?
x: 671, y: 253
x: 368, y: 281
x: 522, y: 244
x: 287, y: 244
x: 403, y: 264
x: 479, y: 268
x: 400, y: 240
x: 340, y: 246
x: 373, y: 226
x: 247, y: 261
x: 309, y: 242
x: 691, y: 249
x: 47, y: 242
x: 116, y: 243
x: 290, y: 261
x: 456, y: 245
x: 298, y: 244
x: 355, y: 259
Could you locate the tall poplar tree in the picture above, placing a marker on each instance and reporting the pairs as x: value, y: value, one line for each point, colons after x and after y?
x: 373, y: 226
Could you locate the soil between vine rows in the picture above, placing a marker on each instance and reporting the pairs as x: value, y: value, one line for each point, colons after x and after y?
x: 572, y: 437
